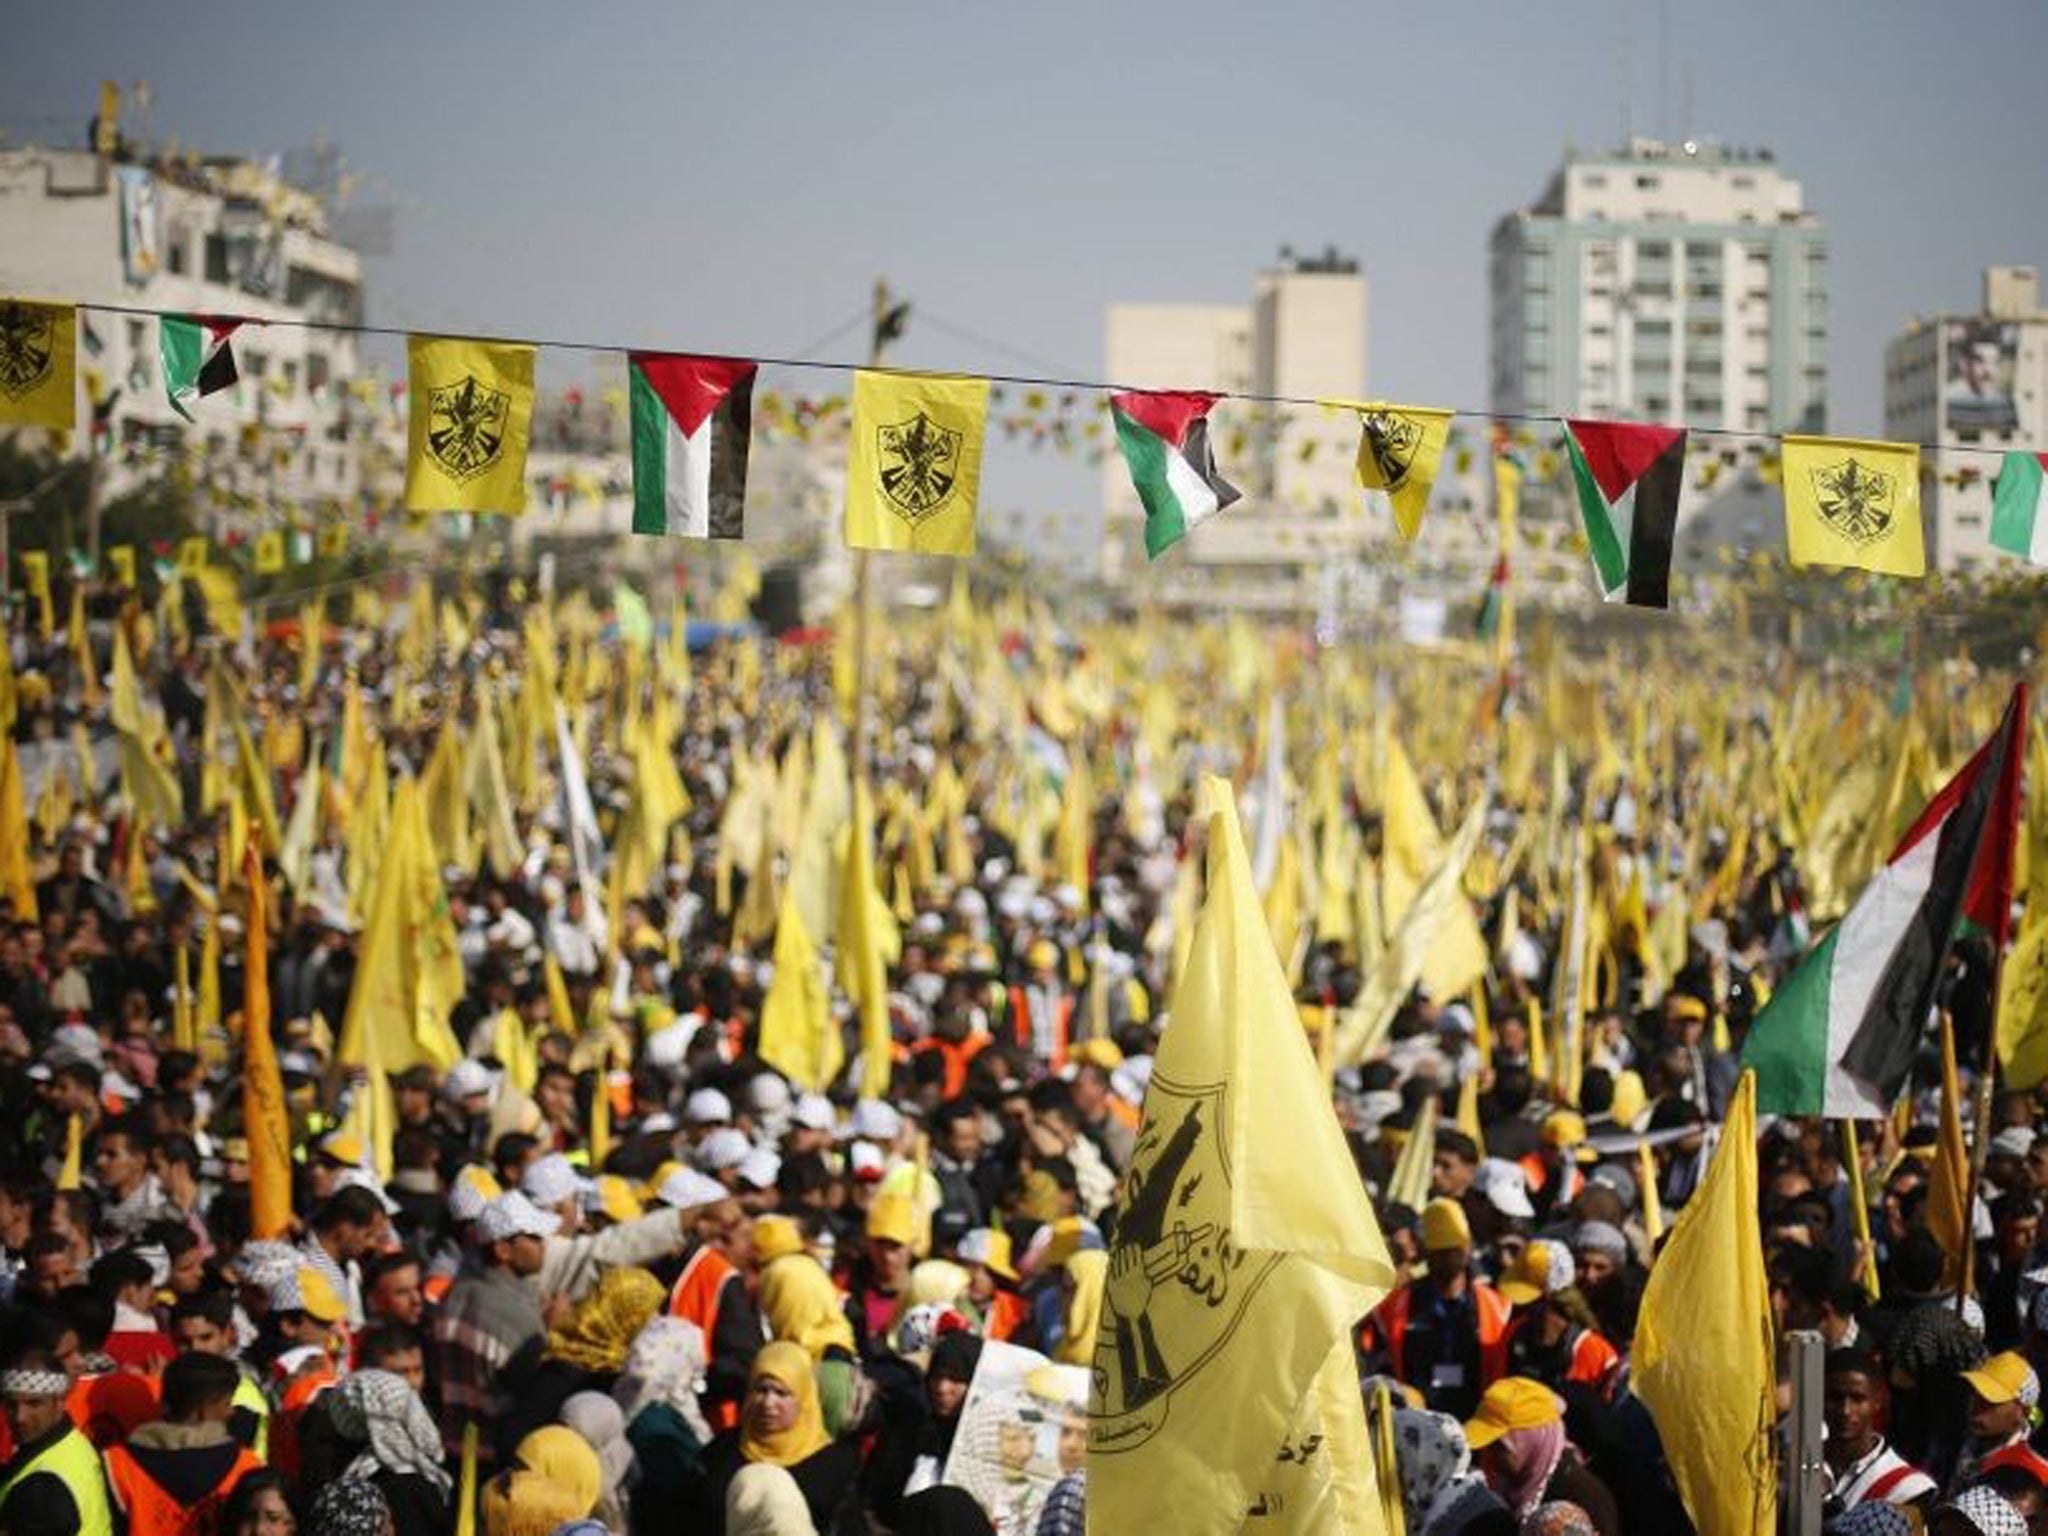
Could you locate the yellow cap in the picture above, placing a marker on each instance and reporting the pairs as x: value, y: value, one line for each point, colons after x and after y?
x: 775, y: 1236
x: 1685, y: 1006
x: 1513, y: 1402
x: 1043, y: 955
x: 1629, y: 1097
x: 891, y: 1219
x: 481, y: 1180
x: 1535, y: 1273
x: 1563, y: 1128
x: 1100, y: 1053
x: 317, y: 1297
x: 344, y: 1147
x: 2006, y: 1378
x: 616, y: 1196
x: 1444, y: 1227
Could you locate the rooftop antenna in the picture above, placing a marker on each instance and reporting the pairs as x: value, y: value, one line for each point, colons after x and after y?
x: 1664, y: 68
x: 1624, y: 29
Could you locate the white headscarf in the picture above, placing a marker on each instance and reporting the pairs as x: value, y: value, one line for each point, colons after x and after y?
x: 665, y: 1364
x: 380, y: 1409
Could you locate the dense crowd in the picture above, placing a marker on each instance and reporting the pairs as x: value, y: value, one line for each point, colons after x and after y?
x: 641, y: 1280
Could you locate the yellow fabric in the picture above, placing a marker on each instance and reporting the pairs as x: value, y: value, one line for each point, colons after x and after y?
x: 1855, y: 503
x: 269, y: 552
x: 868, y: 943
x: 1409, y: 1183
x: 472, y: 409
x: 17, y: 876
x: 1088, y: 1272
x: 914, y: 467
x: 789, y: 1365
x: 775, y: 1236
x: 602, y: 1328
x: 1400, y: 448
x: 1455, y: 954
x: 45, y: 339
x: 802, y: 1305
x: 71, y: 1174
x: 264, y: 1117
x: 1513, y: 1402
x: 1444, y: 1226
x: 1200, y: 1379
x: 530, y: 1503
x: 1948, y: 1181
x: 1703, y: 1361
x: 799, y: 1036
x: 2023, y: 1001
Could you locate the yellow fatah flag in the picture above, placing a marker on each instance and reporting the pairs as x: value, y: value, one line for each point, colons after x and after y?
x: 1246, y: 1251
x: 472, y: 410
x: 35, y: 579
x: 264, y: 1118
x: 17, y: 874
x: 1409, y: 1183
x: 1948, y: 1183
x: 38, y: 365
x: 798, y: 1035
x: 269, y: 552
x: 1455, y: 953
x: 914, y: 469
x: 512, y: 1044
x: 71, y: 1175
x: 1399, y: 450
x: 1854, y: 503
x: 1703, y: 1359
x: 121, y: 559
x: 2023, y: 1005
x: 866, y: 943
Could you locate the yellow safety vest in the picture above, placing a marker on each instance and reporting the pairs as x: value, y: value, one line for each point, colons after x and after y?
x: 73, y: 1461
x: 250, y: 1396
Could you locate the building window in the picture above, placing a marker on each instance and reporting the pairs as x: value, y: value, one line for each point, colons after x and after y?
x: 1646, y: 183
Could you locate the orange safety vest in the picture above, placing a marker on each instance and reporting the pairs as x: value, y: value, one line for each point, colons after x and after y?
x: 695, y: 1300
x: 958, y: 1056
x: 1594, y: 1361
x: 1021, y: 1031
x: 110, y: 1406
x: 150, y: 1511
x: 1537, y: 1172
x: 1389, y: 1325
x: 291, y: 1407
x: 1007, y: 1312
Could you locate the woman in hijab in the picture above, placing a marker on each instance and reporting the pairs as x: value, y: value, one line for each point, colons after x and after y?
x: 584, y: 1354
x: 1440, y: 1493
x: 563, y: 1457
x: 373, y: 1428
x: 597, y: 1418
x: 349, y: 1507
x: 764, y: 1500
x: 781, y: 1423
x: 944, y: 1512
x: 917, y: 1428
x: 657, y: 1394
x: 525, y: 1503
x: 798, y: 1299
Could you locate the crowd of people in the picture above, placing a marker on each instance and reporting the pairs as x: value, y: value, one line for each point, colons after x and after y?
x: 613, y: 1269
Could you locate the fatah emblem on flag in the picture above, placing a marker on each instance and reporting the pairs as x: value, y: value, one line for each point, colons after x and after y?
x: 920, y: 462
x: 27, y: 346
x: 466, y: 432
x: 1178, y: 1286
x: 1391, y: 439
x: 1854, y: 500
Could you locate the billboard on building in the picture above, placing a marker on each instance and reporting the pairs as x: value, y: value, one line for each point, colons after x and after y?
x: 1977, y: 387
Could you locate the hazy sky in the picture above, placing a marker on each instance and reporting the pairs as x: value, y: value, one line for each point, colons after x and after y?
x: 733, y: 177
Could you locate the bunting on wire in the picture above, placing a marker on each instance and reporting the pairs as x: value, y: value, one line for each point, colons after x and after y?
x: 2019, y: 507
x: 1854, y: 503
x: 1628, y: 478
x: 692, y: 419
x: 1165, y: 441
x: 38, y: 365
x: 1400, y: 448
x: 198, y: 355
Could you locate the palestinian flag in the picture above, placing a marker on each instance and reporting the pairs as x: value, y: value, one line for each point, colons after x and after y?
x: 199, y: 360
x: 1628, y: 478
x: 2019, y: 507
x: 1492, y: 600
x: 692, y: 418
x: 1839, y: 1036
x: 1165, y: 443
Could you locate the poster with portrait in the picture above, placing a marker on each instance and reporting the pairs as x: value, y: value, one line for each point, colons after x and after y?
x: 141, y: 225
x: 1023, y: 1427
x: 1982, y: 358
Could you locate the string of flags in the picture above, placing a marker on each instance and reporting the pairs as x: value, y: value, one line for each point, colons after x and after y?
x: 915, y: 449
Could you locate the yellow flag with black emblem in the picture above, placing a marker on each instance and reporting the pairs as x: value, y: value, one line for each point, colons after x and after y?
x: 1855, y: 503
x: 1225, y: 1395
x: 1400, y: 448
x: 270, y: 552
x: 914, y: 469
x: 38, y: 365
x: 472, y: 413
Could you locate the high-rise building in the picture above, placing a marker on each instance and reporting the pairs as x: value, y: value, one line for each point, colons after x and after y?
x: 1978, y: 381
x: 1664, y: 282
x: 1302, y: 337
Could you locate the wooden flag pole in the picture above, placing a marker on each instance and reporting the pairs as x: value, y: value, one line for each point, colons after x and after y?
x: 863, y: 586
x: 1852, y: 1160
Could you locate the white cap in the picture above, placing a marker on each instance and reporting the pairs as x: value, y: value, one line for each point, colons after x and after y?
x: 513, y: 1215
x: 362, y: 1178
x: 814, y: 1112
x: 661, y: 1120
x: 686, y: 1188
x: 1506, y: 1188
x: 760, y: 1169
x: 466, y: 1201
x: 767, y: 1094
x: 466, y: 1078
x: 726, y: 1147
x: 707, y: 1106
x: 667, y: 1047
x: 875, y: 1121
x: 864, y: 1161
x: 550, y: 1180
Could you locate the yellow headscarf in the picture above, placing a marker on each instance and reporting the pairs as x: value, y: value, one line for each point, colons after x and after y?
x: 603, y: 1327
x: 802, y: 1305
x: 527, y: 1504
x: 563, y: 1457
x: 789, y: 1365
x: 1089, y: 1272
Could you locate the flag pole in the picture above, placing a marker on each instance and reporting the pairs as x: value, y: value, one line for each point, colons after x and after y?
x: 863, y: 583
x: 1852, y: 1159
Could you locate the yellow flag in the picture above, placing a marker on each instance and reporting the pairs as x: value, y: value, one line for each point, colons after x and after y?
x: 465, y: 1494
x: 1948, y: 1184
x: 35, y: 577
x: 1703, y: 1363
x: 269, y: 552
x: 1856, y: 503
x: 915, y: 465
x: 866, y: 944
x: 1409, y: 1183
x: 191, y: 556
x: 72, y: 1174
x: 264, y: 1119
x: 38, y: 365
x: 333, y: 541
x: 1455, y: 954
x: 1223, y: 1382
x: 184, y: 1024
x: 1399, y: 450
x: 799, y: 1038
x: 17, y: 874
x: 601, y: 1110
x: 472, y: 409
x: 2022, y: 1004
x: 122, y: 559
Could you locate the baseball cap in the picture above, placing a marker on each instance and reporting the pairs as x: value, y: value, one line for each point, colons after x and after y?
x: 513, y: 1215
x: 2006, y: 1378
x: 875, y: 1121
x: 1562, y: 1128
x: 466, y: 1079
x: 2013, y: 1141
x: 355, y: 1177
x: 865, y: 1162
x: 707, y: 1106
x: 344, y: 1147
x: 550, y: 1180
x: 726, y: 1147
x: 775, y: 1237
x: 1506, y: 1188
x: 304, y: 1289
x: 1542, y: 1268
x: 985, y: 1245
x: 1444, y: 1226
x: 1513, y: 1402
x: 474, y: 1188
x: 686, y: 1188
x: 814, y: 1112
x: 614, y: 1196
x: 760, y: 1168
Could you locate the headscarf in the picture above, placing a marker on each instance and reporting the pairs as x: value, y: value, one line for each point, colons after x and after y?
x: 381, y: 1411
x: 788, y: 1365
x: 763, y: 1500
x: 1989, y: 1511
x: 955, y: 1356
x: 603, y: 1326
x: 348, y: 1506
x: 665, y: 1365
x: 1558, y: 1518
x: 528, y: 1504
x: 1089, y: 1272
x: 1435, y: 1464
x: 598, y: 1420
x: 562, y: 1456
x: 802, y: 1305
x: 1535, y: 1453
x: 1873, y: 1517
x: 943, y: 1511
